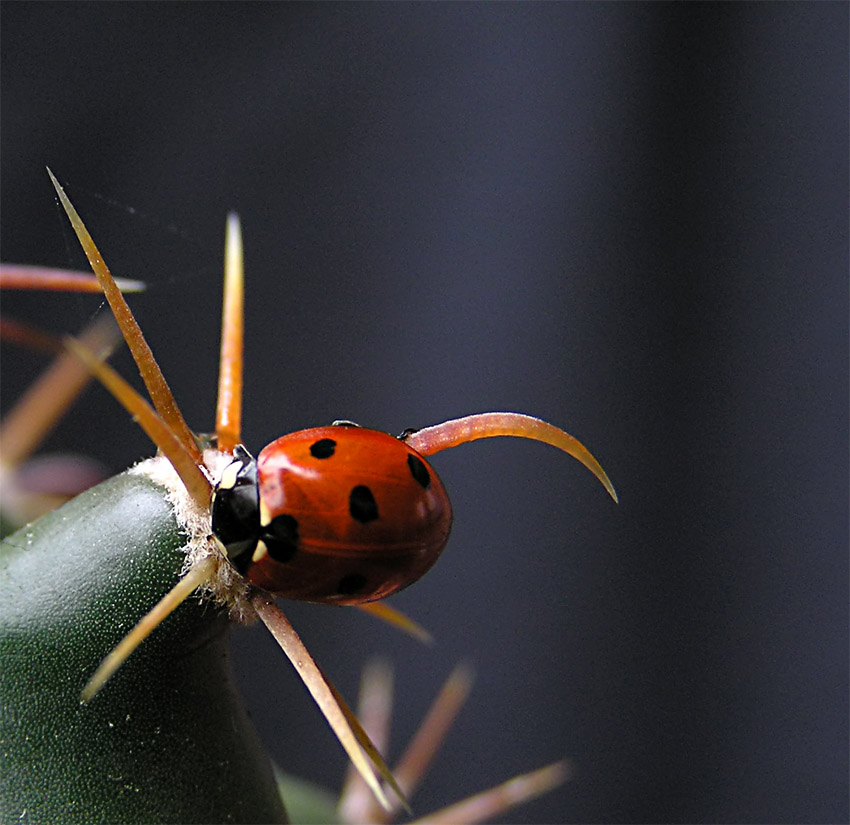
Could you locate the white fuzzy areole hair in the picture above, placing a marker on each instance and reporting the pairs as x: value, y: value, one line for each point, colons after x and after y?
x: 225, y: 586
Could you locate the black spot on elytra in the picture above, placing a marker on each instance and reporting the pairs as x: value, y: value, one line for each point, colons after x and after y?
x: 351, y: 584
x: 362, y: 504
x: 419, y: 471
x: 281, y: 537
x: 323, y: 448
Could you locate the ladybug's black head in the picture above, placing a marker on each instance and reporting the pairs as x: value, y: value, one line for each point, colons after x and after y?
x: 236, y: 508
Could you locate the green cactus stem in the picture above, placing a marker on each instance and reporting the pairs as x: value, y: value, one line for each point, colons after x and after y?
x: 167, y: 740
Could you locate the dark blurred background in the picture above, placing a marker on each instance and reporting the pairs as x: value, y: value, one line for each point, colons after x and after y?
x: 629, y: 219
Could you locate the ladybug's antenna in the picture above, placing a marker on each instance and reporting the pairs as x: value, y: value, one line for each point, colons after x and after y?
x: 228, y: 419
x: 488, y: 425
x: 151, y: 374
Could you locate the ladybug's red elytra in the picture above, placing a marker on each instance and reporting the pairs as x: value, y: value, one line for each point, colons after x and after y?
x: 338, y: 514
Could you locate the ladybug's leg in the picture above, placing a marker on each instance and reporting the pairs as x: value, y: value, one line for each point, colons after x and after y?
x: 21, y: 276
x: 488, y: 425
x: 158, y: 389
x: 228, y: 419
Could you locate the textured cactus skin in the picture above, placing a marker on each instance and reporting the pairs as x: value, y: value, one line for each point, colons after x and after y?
x: 167, y: 739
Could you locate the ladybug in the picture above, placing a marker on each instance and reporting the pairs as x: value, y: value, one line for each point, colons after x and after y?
x: 338, y: 515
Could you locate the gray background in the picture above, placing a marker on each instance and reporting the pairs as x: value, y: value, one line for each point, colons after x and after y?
x: 630, y: 220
